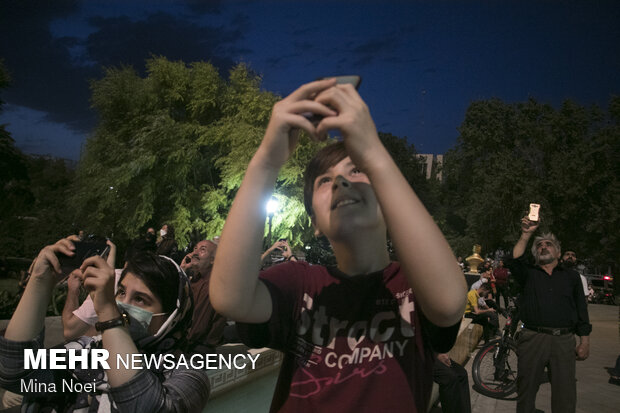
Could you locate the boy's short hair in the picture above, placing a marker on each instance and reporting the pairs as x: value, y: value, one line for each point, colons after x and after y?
x: 323, y: 160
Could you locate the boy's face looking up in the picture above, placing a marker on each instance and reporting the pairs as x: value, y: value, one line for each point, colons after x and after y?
x: 343, y: 201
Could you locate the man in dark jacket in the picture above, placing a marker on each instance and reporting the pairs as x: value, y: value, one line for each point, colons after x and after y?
x: 553, y: 309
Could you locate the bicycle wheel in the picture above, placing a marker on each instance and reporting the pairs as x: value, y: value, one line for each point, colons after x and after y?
x: 494, y: 369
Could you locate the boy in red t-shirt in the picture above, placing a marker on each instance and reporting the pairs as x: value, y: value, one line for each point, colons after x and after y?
x: 357, y: 336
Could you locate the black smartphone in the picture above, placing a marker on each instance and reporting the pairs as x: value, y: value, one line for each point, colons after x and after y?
x: 83, y: 250
x: 355, y: 80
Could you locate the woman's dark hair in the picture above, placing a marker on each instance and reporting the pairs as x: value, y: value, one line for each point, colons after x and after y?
x: 322, y: 161
x: 158, y: 274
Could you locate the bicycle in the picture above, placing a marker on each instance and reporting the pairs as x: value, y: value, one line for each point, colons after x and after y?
x: 494, y: 369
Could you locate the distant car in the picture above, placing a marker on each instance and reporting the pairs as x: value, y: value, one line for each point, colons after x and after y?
x: 603, y: 286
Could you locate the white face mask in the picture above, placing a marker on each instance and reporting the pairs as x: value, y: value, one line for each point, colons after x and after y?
x: 162, y: 232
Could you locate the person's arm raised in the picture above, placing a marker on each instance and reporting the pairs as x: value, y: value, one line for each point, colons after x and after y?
x: 29, y: 316
x: 424, y: 254
x: 277, y: 244
x: 234, y: 289
x: 98, y: 277
x: 527, y: 229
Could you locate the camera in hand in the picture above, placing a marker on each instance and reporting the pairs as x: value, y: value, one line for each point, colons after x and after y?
x: 355, y: 80
x: 283, y: 247
x: 534, y: 211
x: 83, y: 250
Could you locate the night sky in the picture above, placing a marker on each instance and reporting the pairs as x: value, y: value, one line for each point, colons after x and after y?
x: 422, y: 62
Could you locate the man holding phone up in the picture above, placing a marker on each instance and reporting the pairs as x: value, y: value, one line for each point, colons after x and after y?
x: 281, y: 252
x: 553, y: 309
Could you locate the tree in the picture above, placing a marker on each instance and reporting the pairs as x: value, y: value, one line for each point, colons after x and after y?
x: 509, y: 155
x: 173, y: 147
x: 34, y: 195
x: 406, y: 158
x: 14, y: 183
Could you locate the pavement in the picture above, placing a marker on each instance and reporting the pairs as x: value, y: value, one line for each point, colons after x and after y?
x: 594, y: 393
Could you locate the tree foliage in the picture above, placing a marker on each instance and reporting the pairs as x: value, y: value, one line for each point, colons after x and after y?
x: 34, y: 195
x: 509, y: 155
x: 411, y: 166
x: 173, y: 146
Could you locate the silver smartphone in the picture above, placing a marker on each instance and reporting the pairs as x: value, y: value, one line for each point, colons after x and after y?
x: 354, y: 80
x: 533, y: 215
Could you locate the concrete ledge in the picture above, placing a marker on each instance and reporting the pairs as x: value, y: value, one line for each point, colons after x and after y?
x: 225, y: 380
x: 467, y: 340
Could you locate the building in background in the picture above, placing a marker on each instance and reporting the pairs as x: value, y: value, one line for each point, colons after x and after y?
x: 432, y: 165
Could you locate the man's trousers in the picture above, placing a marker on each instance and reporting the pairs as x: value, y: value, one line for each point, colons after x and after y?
x: 537, y: 350
x: 453, y: 387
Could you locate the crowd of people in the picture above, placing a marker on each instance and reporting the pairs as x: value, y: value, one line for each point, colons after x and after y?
x: 369, y: 334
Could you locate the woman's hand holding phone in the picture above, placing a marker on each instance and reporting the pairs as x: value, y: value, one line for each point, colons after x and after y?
x: 47, y: 267
x: 98, y: 279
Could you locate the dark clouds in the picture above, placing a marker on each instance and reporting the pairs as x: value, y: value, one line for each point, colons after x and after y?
x: 366, y: 52
x: 204, y: 6
x: 51, y: 74
x: 120, y: 40
x: 41, y: 67
x: 422, y: 62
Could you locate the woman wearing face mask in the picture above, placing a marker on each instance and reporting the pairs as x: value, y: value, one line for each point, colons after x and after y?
x: 149, y: 314
x: 167, y: 245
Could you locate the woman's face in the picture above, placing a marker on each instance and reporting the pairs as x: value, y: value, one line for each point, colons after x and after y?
x: 132, y: 290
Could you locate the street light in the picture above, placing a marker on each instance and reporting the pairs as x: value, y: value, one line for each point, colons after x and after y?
x: 272, y: 207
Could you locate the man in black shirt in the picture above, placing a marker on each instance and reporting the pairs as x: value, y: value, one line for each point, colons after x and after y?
x: 553, y: 309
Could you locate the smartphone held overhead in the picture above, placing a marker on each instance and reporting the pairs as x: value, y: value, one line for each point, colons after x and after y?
x: 283, y: 247
x: 354, y: 80
x: 83, y: 250
x: 533, y: 215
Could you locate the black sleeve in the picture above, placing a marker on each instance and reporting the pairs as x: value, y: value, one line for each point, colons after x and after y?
x: 517, y: 267
x: 273, y: 333
x: 441, y: 339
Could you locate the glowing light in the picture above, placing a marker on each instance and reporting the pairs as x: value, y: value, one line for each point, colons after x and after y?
x: 272, y: 206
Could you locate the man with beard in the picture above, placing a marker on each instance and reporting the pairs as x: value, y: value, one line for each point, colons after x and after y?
x: 553, y: 309
x: 569, y: 260
x: 207, y: 325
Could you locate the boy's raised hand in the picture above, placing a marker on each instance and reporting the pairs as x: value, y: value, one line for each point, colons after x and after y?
x: 288, y: 117
x: 354, y: 122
